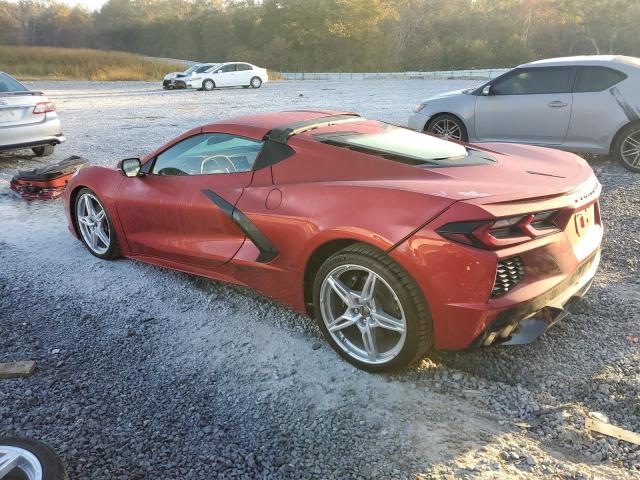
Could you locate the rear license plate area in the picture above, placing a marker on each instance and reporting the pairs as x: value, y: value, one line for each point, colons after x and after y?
x: 10, y: 115
x: 583, y: 220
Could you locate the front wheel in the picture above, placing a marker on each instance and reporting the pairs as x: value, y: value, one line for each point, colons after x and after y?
x: 208, y: 85
x: 95, y: 226
x: 27, y: 458
x: 627, y: 147
x: 448, y: 127
x: 256, y: 82
x: 370, y: 310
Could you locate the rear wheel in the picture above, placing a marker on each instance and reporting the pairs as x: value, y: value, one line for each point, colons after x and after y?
x: 370, y: 310
x: 208, y: 85
x: 22, y: 458
x: 256, y: 82
x: 627, y: 147
x: 43, y: 151
x: 95, y: 226
x: 448, y: 127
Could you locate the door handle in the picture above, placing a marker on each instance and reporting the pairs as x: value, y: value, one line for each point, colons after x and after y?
x: 558, y: 104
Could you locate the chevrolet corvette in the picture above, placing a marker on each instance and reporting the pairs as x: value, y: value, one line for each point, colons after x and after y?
x: 396, y: 241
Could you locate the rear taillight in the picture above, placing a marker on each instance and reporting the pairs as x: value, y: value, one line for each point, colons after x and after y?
x: 44, y: 107
x: 503, y: 232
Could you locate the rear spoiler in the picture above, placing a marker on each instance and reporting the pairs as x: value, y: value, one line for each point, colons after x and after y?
x: 284, y: 133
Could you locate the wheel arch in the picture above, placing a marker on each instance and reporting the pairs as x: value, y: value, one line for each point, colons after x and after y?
x: 317, y: 258
x: 435, y: 116
x: 616, y: 137
x: 72, y: 207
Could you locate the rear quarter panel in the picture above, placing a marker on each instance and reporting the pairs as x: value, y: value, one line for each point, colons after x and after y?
x: 597, y: 116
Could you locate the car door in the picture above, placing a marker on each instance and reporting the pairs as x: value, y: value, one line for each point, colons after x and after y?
x: 181, y: 210
x: 527, y: 105
x: 244, y: 73
x: 225, y: 75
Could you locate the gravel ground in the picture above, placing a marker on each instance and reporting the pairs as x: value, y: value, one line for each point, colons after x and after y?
x: 147, y: 373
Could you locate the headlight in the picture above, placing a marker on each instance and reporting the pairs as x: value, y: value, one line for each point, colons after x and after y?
x: 419, y: 107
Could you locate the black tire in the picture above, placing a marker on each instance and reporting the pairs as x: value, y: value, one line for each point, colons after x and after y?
x: 52, y: 467
x: 113, y: 252
x: 256, y: 82
x: 449, y: 119
x: 43, y: 151
x: 630, y: 161
x: 208, y: 85
x: 419, y: 330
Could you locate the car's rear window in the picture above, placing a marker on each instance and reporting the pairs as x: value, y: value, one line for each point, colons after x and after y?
x: 9, y: 84
x: 401, y: 144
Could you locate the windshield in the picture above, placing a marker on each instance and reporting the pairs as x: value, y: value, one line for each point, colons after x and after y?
x: 10, y: 84
x: 191, y: 69
x: 400, y: 143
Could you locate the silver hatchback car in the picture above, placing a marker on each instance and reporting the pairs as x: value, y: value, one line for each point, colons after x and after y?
x: 27, y: 119
x: 587, y: 104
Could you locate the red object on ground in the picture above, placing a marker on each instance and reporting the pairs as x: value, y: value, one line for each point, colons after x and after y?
x: 48, y: 182
x: 508, y: 239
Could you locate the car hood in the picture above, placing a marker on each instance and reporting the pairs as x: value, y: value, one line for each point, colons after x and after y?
x: 172, y: 75
x: 453, y: 93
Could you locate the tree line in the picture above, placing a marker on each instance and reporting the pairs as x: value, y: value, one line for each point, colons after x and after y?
x: 334, y: 35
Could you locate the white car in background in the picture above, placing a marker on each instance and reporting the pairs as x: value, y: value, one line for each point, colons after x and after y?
x: 174, y: 79
x: 27, y: 119
x: 230, y: 74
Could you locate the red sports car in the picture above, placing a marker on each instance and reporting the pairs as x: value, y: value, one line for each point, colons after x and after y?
x: 396, y: 241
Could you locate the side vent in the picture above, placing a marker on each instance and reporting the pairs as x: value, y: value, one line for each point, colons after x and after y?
x: 510, y: 273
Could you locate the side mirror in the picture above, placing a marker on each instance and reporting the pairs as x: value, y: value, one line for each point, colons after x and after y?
x: 130, y: 167
x: 486, y: 90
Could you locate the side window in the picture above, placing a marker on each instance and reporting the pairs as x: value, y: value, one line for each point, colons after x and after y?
x: 207, y: 154
x: 597, y: 79
x: 228, y: 68
x: 203, y: 68
x: 242, y: 67
x: 535, y: 81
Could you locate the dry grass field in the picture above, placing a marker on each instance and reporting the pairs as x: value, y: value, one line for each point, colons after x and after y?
x: 33, y: 63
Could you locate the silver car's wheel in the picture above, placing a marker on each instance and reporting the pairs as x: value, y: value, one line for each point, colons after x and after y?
x: 630, y: 150
x: 447, y: 129
x: 92, y: 222
x: 16, y: 462
x: 256, y: 82
x: 208, y: 85
x: 363, y: 314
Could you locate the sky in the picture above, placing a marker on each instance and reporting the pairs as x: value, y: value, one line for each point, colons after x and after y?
x: 89, y: 4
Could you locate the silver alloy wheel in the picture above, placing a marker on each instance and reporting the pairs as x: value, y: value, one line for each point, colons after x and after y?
x: 256, y: 82
x: 93, y: 224
x: 631, y: 149
x: 447, y: 129
x: 208, y: 85
x: 363, y: 314
x: 15, y: 458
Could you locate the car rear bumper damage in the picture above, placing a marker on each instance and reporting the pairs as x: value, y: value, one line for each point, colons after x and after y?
x: 526, y: 322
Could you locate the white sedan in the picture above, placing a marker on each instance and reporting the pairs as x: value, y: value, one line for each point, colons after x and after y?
x: 230, y: 74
